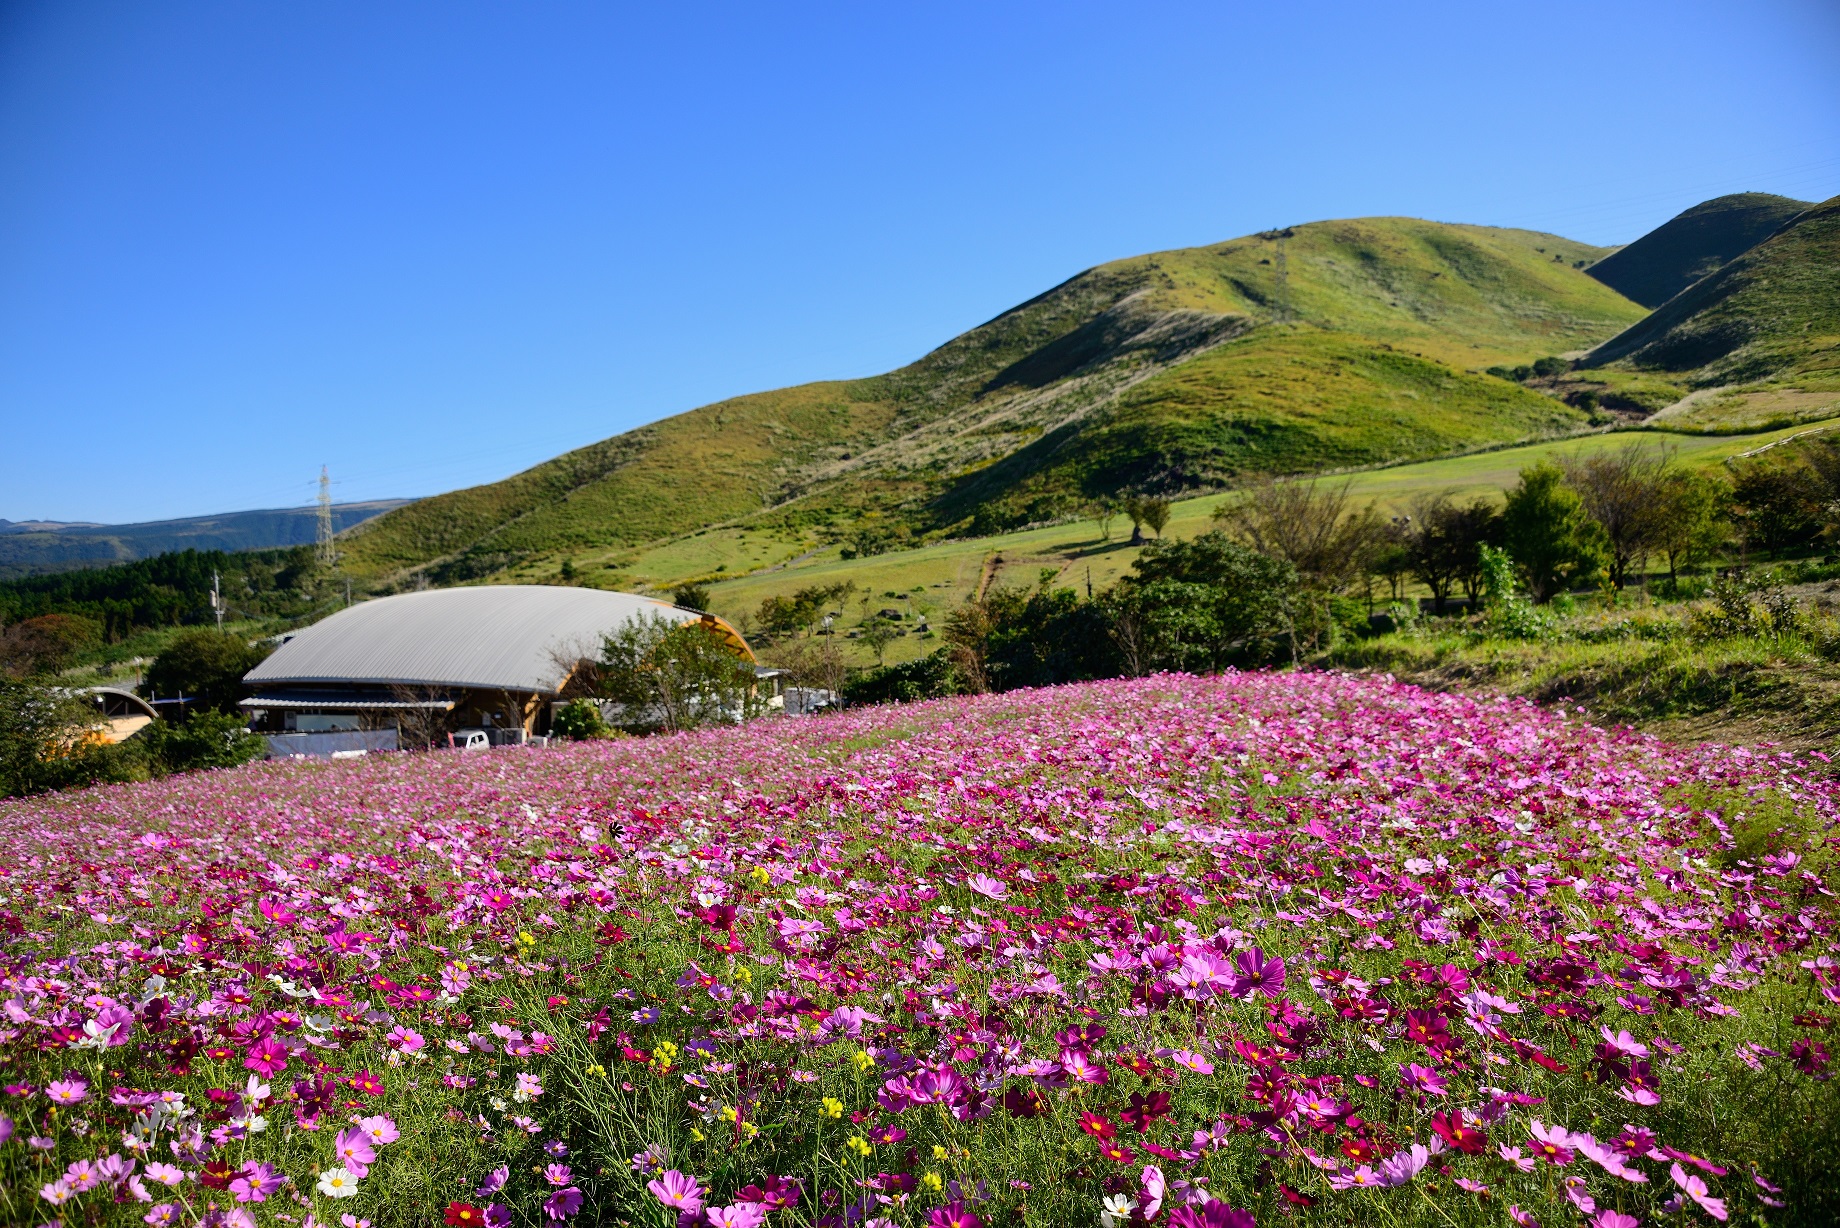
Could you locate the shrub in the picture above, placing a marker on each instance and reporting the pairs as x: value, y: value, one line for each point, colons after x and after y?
x: 207, y: 666
x: 579, y: 720
x: 205, y: 740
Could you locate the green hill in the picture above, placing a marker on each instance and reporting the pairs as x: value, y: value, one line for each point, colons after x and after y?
x: 1329, y: 344
x: 1758, y: 341
x: 1679, y: 252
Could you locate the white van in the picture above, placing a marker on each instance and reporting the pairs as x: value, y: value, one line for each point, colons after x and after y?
x: 471, y: 739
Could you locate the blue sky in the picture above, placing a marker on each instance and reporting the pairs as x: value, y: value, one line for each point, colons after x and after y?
x: 431, y: 244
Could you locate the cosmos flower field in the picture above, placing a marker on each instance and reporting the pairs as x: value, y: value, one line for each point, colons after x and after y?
x: 1262, y: 948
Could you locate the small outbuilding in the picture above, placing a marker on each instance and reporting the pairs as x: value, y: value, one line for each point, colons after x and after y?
x: 492, y: 657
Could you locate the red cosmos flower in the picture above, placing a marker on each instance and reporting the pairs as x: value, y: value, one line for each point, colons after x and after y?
x: 1136, y: 1063
x: 1118, y: 1153
x: 367, y: 1083
x: 1428, y: 1028
x: 1361, y: 1150
x: 1024, y: 1103
x: 216, y: 1175
x: 888, y: 1135
x: 1097, y: 1126
x: 1145, y: 1109
x: 463, y: 1215
x: 1810, y: 1057
x: 1451, y: 1128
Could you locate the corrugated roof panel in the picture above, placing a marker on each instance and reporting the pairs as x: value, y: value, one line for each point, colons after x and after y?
x: 493, y: 637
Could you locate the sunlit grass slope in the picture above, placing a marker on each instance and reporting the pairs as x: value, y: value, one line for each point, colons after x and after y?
x: 939, y: 443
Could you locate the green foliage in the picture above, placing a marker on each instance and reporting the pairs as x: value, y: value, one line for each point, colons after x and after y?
x: 45, y: 644
x: 691, y: 597
x: 206, y: 666
x: 164, y: 591
x: 205, y: 740
x: 1510, y: 613
x: 674, y: 676
x: 1200, y: 605
x: 50, y: 740
x: 1547, y: 530
x: 1782, y: 504
x: 931, y: 677
x: 579, y: 721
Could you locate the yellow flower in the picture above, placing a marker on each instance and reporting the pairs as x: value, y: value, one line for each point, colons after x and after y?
x: 939, y: 1153
x: 597, y: 1069
x: 696, y: 1134
x: 861, y: 1060
x: 857, y: 1144
x: 526, y: 938
x: 749, y: 1129
x: 728, y: 1113
x: 830, y: 1107
x: 760, y: 876
x: 743, y: 976
x: 933, y: 1182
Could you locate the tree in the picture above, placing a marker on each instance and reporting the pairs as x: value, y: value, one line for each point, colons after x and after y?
x: 423, y: 716
x: 1155, y: 514
x: 1310, y: 525
x: 1777, y: 505
x: 673, y: 676
x: 1202, y: 604
x: 45, y: 644
x: 817, y: 663
x: 1625, y: 493
x: 1103, y: 511
x: 206, y: 666
x: 1442, y: 543
x: 1690, y: 521
x: 877, y: 634
x: 690, y: 597
x: 1548, y: 532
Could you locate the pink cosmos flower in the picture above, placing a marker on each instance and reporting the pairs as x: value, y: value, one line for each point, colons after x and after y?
x: 1155, y: 1189
x: 67, y: 1091
x: 254, y: 1182
x: 985, y: 885
x: 1697, y: 1190
x: 562, y: 1204
x: 267, y: 1056
x: 677, y: 1191
x: 165, y: 1174
x: 380, y: 1129
x: 160, y: 1215
x: 1607, y: 1218
x: 739, y: 1215
x: 354, y: 1152
x: 1422, y: 1079
x: 1522, y: 1218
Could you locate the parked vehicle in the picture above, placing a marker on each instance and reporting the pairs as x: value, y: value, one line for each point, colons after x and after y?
x: 471, y: 739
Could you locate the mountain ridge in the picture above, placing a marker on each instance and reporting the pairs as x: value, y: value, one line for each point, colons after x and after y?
x: 902, y: 447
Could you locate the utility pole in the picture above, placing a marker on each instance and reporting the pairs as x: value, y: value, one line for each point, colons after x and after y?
x: 217, y: 601
x: 326, y: 554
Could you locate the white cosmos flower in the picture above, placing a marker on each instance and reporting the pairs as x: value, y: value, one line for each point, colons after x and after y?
x: 337, y: 1183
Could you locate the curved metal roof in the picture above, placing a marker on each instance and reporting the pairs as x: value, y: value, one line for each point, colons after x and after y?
x: 498, y: 637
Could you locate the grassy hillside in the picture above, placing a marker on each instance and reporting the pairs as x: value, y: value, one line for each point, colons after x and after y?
x: 1206, y: 357
x: 1759, y: 341
x: 1684, y: 249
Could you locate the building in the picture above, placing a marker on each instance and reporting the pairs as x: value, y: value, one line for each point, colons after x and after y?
x: 494, y: 657
x: 122, y: 713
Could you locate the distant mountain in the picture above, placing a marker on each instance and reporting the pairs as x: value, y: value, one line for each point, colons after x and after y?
x: 1679, y: 252
x: 1322, y: 345
x: 34, y: 547
x: 1754, y: 345
x: 1773, y: 309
